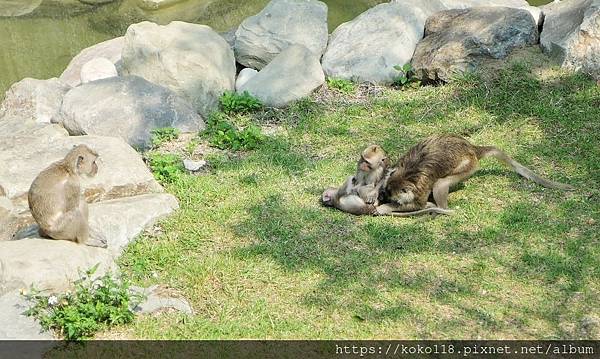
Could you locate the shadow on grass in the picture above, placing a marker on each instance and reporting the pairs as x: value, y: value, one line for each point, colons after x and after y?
x: 544, y: 248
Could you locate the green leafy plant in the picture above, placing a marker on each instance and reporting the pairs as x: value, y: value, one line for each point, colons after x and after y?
x: 342, y: 85
x: 95, y: 304
x: 232, y: 102
x: 164, y: 134
x: 166, y: 167
x: 406, y: 76
x: 224, y: 135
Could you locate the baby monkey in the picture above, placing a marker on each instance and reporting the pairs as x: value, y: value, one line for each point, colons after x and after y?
x: 360, y: 193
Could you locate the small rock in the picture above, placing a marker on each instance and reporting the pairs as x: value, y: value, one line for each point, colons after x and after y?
x: 293, y: 74
x: 194, y: 166
x: 97, y: 69
x: 156, y: 301
x: 260, y: 38
x: 243, y: 77
x: 109, y: 49
x: 591, y: 221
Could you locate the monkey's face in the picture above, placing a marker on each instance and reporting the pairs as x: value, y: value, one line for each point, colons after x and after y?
x: 400, y: 191
x: 371, y: 158
x: 87, y: 164
x: 328, y: 196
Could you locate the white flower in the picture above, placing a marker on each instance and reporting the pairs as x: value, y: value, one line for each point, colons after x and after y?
x: 52, y: 300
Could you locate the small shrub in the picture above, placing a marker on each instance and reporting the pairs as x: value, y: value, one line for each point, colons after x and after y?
x: 224, y: 135
x: 166, y: 167
x: 232, y: 102
x: 162, y: 135
x: 94, y: 305
x: 342, y: 85
x: 406, y: 76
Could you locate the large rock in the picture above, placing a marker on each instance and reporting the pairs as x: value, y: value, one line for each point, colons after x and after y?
x: 128, y: 107
x: 39, y: 100
x: 14, y: 324
x: 18, y: 7
x: 97, y: 69
x: 48, y: 265
x: 572, y: 34
x: 110, y: 49
x: 518, y: 4
x: 121, y: 220
x: 280, y: 24
x: 456, y: 40
x: 121, y: 170
x: 367, y: 48
x: 292, y: 75
x: 192, y: 60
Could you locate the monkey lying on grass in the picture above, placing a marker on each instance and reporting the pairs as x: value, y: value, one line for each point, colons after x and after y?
x: 435, y: 165
x: 359, y: 194
x: 56, y: 201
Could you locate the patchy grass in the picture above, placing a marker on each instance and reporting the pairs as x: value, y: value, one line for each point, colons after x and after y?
x: 258, y: 257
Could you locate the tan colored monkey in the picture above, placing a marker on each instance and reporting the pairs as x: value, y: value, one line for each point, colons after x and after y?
x: 438, y: 163
x: 359, y: 194
x: 56, y: 201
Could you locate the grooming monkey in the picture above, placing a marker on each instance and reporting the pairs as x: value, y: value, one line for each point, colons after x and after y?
x: 438, y: 163
x: 359, y: 194
x: 56, y: 201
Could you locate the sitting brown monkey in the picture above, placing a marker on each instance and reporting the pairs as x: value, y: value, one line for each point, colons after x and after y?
x: 438, y: 163
x: 56, y: 201
x: 359, y: 194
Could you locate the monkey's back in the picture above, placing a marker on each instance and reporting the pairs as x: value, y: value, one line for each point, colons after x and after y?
x: 46, y: 195
x: 433, y: 158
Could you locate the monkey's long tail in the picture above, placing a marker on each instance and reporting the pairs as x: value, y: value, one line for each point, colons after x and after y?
x: 491, y: 151
x: 432, y: 210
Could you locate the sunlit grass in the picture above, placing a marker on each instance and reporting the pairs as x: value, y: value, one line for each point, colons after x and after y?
x: 259, y: 257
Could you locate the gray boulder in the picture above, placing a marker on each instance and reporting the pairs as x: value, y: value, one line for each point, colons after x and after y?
x: 571, y: 35
x: 17, y: 326
x: 38, y: 100
x: 292, y: 75
x: 518, y: 4
x: 456, y: 40
x: 192, y: 60
x: 280, y: 24
x: 121, y: 220
x: 109, y: 49
x: 18, y: 7
x: 367, y: 48
x: 97, y: 69
x: 128, y: 107
x: 48, y: 265
x: 121, y: 171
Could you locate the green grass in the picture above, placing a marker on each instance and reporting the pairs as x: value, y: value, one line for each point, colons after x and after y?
x: 259, y: 257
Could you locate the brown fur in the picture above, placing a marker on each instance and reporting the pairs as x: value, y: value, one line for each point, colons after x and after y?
x: 55, y: 197
x: 439, y: 162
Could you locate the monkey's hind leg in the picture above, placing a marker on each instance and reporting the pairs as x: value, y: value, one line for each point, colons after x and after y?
x: 68, y: 227
x: 441, y: 188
